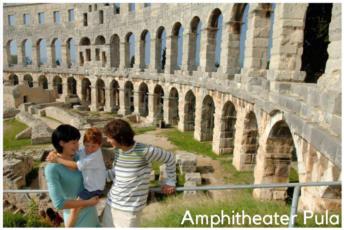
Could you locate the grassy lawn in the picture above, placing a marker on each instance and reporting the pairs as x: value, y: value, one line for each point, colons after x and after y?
x: 175, y: 208
x: 11, y: 128
x: 142, y: 130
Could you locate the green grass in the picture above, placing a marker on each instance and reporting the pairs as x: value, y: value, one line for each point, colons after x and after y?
x: 11, y: 128
x: 293, y: 175
x: 143, y: 129
x: 185, y: 141
x: 175, y: 208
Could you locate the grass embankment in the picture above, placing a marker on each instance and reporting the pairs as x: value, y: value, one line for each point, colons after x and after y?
x: 173, y: 209
x: 11, y: 128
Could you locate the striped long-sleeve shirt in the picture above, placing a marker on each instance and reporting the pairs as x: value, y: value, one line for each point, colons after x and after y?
x: 130, y: 175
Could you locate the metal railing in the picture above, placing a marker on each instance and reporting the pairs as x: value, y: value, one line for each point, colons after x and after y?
x: 294, y: 204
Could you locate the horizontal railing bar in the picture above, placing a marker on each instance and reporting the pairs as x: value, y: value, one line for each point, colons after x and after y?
x: 215, y: 187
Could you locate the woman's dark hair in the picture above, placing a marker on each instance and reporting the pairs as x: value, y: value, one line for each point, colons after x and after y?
x: 64, y: 133
x: 120, y: 131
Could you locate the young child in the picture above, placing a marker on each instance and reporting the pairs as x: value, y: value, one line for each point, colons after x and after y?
x: 91, y: 164
x: 130, y: 175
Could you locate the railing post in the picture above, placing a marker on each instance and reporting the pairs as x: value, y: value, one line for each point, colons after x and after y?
x: 294, y: 204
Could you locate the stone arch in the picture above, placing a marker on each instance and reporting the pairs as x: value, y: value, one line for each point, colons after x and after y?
x: 160, y: 49
x: 57, y: 84
x: 86, y: 91
x: 176, y: 46
x: 27, y: 52
x: 228, y: 122
x: 115, y: 51
x: 214, y: 35
x: 143, y: 100
x: 129, y: 50
x: 158, y: 105
x: 28, y: 80
x: 85, y: 41
x: 43, y: 82
x: 144, y: 49
x: 100, y: 94
x: 274, y: 160
x: 100, y: 40
x: 189, y: 111
x: 207, y: 119
x: 315, y: 43
x: 238, y: 28
x: 85, y: 50
x: 41, y: 52
x: 115, y: 95
x: 71, y: 86
x: 173, y: 105
x: 71, y: 52
x: 194, y: 43
x: 13, y: 79
x: 12, y: 53
x: 128, y: 97
x: 56, y: 52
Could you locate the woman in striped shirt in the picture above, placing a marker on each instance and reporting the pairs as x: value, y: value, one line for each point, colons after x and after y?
x: 130, y: 175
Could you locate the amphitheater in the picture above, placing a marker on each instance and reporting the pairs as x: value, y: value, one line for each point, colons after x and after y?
x: 262, y: 111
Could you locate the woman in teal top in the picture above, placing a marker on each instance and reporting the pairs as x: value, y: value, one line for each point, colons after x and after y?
x: 64, y: 184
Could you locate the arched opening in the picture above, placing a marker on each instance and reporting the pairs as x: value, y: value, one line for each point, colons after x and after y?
x: 56, y: 52
x: 275, y: 162
x: 130, y: 50
x: 189, y: 111
x: 100, y: 40
x: 42, y: 52
x: 85, y: 50
x: 238, y: 27
x: 143, y: 100
x: 214, y: 39
x: 71, y: 52
x: 57, y: 84
x: 129, y: 97
x: 158, y: 106
x: 71, y: 86
x: 173, y: 102
x: 160, y: 47
x: 12, y: 56
x: 115, y: 95
x: 207, y: 121
x: 176, y: 46
x: 100, y: 87
x: 28, y: 80
x: 13, y: 79
x: 115, y: 51
x: 86, y: 91
x: 228, y: 121
x: 145, y: 44
x: 194, y: 44
x: 250, y: 141
x: 316, y: 40
x: 43, y: 82
x: 27, y: 52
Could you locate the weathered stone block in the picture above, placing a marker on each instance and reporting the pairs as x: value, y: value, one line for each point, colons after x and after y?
x: 195, y: 177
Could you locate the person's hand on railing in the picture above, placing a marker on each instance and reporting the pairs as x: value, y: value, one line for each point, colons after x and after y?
x: 52, y: 157
x: 168, y: 189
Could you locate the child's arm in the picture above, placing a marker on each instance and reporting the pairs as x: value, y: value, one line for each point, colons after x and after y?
x: 67, y: 163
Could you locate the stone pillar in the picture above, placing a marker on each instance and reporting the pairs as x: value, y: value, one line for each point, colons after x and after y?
x: 151, y: 112
x: 94, y: 97
x: 64, y: 94
x: 167, y: 115
x: 256, y: 44
x: 137, y: 64
x: 64, y: 58
x: 287, y: 49
x: 20, y: 58
x: 331, y: 79
x: 79, y: 88
x: 198, y: 119
x: 206, y: 58
x: 107, y: 51
x: 136, y: 101
x: 168, y: 65
x: 122, y: 61
x: 153, y: 62
x: 50, y: 57
x: 181, y: 105
x: 122, y: 109
x: 216, y: 146
x: 35, y: 61
x: 5, y: 56
x: 238, y: 154
x: 109, y: 100
x: 186, y: 60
